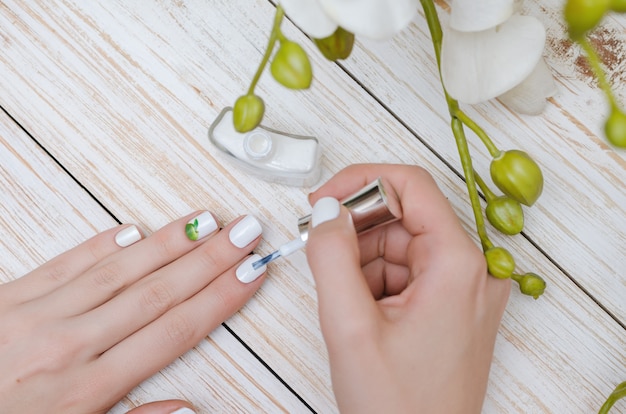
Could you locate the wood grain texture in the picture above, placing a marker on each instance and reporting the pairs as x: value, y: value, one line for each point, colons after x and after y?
x: 122, y: 95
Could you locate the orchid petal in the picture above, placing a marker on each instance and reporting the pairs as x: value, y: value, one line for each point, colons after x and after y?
x: 529, y: 97
x: 477, y: 15
x: 309, y: 16
x: 374, y: 19
x: 478, y: 66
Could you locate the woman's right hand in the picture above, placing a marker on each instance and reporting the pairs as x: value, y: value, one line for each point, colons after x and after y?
x: 408, y: 311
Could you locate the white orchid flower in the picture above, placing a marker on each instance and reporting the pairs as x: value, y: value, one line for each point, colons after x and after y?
x: 476, y: 15
x: 489, y: 51
x: 374, y: 19
x: 529, y: 97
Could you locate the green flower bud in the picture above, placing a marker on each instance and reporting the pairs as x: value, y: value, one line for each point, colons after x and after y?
x: 618, y: 6
x: 583, y: 15
x: 248, y: 112
x: 291, y: 66
x: 500, y: 263
x: 336, y: 46
x: 615, y: 128
x: 517, y: 176
x: 505, y: 214
x: 531, y: 284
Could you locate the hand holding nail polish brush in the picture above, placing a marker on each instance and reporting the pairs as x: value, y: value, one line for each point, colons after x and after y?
x: 369, y: 207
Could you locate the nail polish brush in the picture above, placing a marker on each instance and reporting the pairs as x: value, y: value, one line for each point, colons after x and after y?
x: 369, y: 207
x: 284, y: 250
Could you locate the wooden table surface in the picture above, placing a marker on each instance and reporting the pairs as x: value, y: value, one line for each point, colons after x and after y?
x: 105, y: 110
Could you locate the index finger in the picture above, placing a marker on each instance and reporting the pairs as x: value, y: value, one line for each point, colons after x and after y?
x: 424, y: 208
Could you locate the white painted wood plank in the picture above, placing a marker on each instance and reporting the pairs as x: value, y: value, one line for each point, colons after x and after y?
x: 128, y: 117
x: 43, y: 212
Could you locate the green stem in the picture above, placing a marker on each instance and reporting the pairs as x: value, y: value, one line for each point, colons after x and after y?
x: 489, y: 195
x: 274, y: 35
x: 470, y: 179
x: 491, y: 147
x: 618, y: 393
x: 596, y: 67
x: 436, y: 34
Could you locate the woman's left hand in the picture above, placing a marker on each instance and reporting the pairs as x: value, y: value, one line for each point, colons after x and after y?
x: 78, y: 333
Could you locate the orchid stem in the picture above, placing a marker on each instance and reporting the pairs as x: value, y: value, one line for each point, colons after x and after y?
x: 618, y: 393
x: 480, y: 133
x: 470, y: 180
x: 274, y: 35
x: 436, y: 35
x: 457, y: 121
x: 489, y: 195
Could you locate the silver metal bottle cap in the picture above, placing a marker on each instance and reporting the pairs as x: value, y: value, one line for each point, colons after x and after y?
x: 370, y: 207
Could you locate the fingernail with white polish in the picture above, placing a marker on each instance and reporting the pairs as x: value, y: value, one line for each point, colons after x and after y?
x: 244, y: 232
x: 128, y: 236
x: 246, y: 273
x: 183, y: 410
x: 200, y: 226
x: 325, y: 209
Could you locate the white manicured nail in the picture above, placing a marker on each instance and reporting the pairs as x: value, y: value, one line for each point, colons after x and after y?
x: 246, y: 273
x: 183, y: 410
x: 128, y: 236
x: 325, y: 209
x: 200, y: 226
x: 245, y: 231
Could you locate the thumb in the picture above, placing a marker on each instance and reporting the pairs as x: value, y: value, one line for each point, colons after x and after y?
x: 345, y: 300
x: 164, y: 407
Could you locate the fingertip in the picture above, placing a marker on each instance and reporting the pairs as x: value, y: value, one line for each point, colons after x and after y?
x: 325, y: 209
x: 201, y: 225
x: 247, y: 273
x: 128, y: 235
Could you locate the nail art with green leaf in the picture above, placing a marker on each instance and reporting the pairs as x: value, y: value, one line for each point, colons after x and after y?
x: 192, y: 230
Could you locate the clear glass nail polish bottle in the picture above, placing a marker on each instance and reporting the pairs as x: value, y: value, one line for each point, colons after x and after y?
x: 269, y: 154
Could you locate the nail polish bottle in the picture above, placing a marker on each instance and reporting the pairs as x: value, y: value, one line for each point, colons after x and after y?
x: 266, y: 153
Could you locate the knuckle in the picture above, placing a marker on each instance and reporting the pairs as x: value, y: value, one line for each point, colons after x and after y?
x: 180, y: 331
x: 423, y: 175
x: 166, y: 246
x: 98, y: 247
x: 60, y: 272
x: 476, y: 260
x: 157, y: 296
x: 208, y: 258
x: 473, y: 261
x: 108, y: 276
x: 225, y: 301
